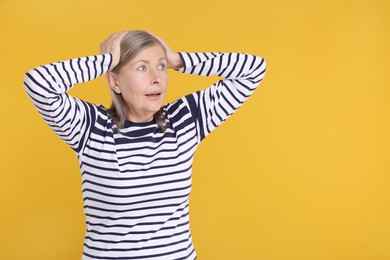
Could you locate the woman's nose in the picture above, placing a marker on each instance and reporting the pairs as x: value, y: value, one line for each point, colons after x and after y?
x: 155, y: 81
x: 155, y: 77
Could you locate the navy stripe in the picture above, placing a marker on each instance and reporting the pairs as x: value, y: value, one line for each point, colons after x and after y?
x: 137, y: 249
x: 80, y: 69
x: 137, y: 241
x: 135, y: 186
x: 137, y: 257
x: 140, y: 177
x: 137, y: 232
x: 136, y: 202
x: 136, y: 195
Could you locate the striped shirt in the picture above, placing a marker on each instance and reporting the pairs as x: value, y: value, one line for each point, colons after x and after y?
x: 136, y: 182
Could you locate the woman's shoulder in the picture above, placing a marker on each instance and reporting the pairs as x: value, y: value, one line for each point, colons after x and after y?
x: 180, y: 108
x: 103, y: 116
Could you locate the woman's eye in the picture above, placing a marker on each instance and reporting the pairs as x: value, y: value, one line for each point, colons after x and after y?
x: 162, y: 66
x: 141, y: 68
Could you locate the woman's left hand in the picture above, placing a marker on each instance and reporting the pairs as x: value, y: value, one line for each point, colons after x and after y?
x: 173, y: 58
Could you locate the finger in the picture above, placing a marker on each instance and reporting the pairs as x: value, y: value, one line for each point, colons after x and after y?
x: 114, y: 39
x: 118, y: 36
x: 115, y: 35
x: 116, y: 42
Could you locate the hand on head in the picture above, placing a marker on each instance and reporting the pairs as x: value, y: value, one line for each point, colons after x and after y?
x: 173, y: 58
x: 112, y: 45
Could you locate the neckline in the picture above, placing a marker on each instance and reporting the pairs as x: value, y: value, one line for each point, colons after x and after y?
x: 129, y: 123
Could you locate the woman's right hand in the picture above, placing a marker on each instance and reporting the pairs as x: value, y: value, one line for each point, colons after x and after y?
x: 173, y: 58
x: 113, y: 45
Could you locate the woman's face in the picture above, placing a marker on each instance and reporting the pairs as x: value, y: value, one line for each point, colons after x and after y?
x: 143, y: 83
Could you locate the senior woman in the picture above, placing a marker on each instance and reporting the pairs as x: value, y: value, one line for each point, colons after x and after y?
x: 136, y: 156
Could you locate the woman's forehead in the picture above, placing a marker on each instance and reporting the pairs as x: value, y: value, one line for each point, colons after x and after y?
x: 150, y: 54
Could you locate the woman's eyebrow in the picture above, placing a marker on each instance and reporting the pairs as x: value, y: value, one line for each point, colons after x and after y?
x: 147, y: 61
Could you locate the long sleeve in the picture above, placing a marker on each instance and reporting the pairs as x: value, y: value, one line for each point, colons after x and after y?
x: 70, y: 118
x: 242, y: 74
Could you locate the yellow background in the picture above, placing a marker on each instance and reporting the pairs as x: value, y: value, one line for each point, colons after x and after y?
x: 301, y: 171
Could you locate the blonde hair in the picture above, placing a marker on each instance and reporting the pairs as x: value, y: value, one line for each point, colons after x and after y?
x: 132, y: 44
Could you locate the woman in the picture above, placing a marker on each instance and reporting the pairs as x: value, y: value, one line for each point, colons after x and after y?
x: 136, y: 157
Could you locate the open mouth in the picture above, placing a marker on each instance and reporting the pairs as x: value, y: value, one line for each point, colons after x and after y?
x: 153, y: 94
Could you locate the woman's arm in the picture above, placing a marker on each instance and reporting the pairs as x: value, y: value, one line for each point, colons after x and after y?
x: 211, y: 107
x: 242, y: 74
x: 70, y: 118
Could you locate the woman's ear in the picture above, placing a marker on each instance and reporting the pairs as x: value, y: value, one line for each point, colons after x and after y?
x: 113, y: 82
